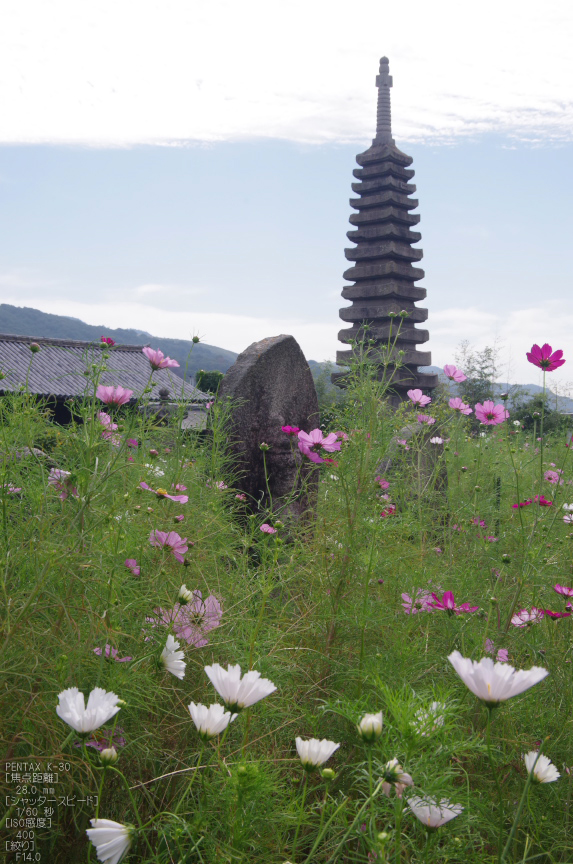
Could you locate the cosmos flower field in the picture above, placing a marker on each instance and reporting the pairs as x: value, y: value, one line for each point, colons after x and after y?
x: 387, y: 680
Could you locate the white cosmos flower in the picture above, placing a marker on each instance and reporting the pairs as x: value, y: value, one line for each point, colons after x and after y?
x: 431, y: 813
x: 237, y: 692
x: 101, y: 707
x: 545, y: 771
x: 428, y: 721
x: 394, y: 775
x: 210, y: 721
x: 185, y: 595
x: 314, y: 752
x: 172, y: 658
x: 436, y: 440
x: 111, y: 839
x: 568, y: 506
x: 370, y: 727
x: 495, y: 682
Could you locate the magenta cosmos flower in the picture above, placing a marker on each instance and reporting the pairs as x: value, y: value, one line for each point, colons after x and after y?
x: 545, y: 357
x: 171, y: 540
x: 490, y: 414
x: 163, y: 493
x: 310, y: 442
x: 418, y: 398
x: 290, y: 430
x: 158, y: 360
x: 113, y: 395
x: 107, y: 341
x: 454, y: 374
x: 458, y: 405
x: 61, y: 480
x: 448, y: 603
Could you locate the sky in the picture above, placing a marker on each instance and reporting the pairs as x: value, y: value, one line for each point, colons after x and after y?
x: 184, y: 167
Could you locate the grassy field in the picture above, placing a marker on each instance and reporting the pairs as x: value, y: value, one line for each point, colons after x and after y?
x: 337, y: 613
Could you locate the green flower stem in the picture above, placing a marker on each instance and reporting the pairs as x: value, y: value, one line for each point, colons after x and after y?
x: 495, y: 777
x: 507, y: 846
x: 370, y: 784
x: 134, y: 807
x: 300, y: 815
x: 334, y: 857
x: 398, y: 847
x: 193, y: 775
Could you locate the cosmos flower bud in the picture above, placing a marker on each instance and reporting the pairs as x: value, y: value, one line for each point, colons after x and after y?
x: 370, y: 727
x: 34, y: 347
x: 185, y: 595
x: 328, y: 774
x: 108, y: 756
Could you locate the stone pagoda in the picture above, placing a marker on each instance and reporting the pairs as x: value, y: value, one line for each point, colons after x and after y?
x: 383, y: 272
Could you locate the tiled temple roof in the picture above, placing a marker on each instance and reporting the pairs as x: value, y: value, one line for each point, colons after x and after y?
x: 58, y: 368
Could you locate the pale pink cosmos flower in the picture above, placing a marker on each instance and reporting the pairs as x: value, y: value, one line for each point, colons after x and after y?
x: 310, y: 442
x: 454, y: 374
x: 418, y: 398
x: 458, y: 405
x: 448, y: 604
x: 190, y: 621
x: 436, y: 440
x: 553, y: 477
x: 163, y: 493
x: 420, y: 601
x: 524, y: 617
x: 403, y: 443
x: 112, y: 654
x: 424, y: 418
x: 132, y: 565
x: 240, y: 496
x: 172, y: 541
x: 10, y: 489
x: 113, y: 395
x: 217, y: 485
x: 179, y: 487
x: 502, y: 654
x: 489, y: 414
x: 158, y: 360
x: 61, y: 481
x: 179, y: 518
x: 562, y: 589
x: 545, y: 358
x: 267, y: 529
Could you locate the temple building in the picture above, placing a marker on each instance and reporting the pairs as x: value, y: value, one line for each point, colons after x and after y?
x: 383, y: 270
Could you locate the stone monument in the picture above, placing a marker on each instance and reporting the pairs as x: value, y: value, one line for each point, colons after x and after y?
x: 383, y: 270
x: 270, y: 386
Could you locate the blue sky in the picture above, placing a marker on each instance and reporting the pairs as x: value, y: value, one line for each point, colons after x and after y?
x: 217, y: 202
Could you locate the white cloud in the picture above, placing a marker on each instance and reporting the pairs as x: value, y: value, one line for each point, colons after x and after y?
x: 111, y: 73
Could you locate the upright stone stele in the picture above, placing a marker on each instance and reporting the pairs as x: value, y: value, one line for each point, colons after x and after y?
x: 271, y: 386
x: 383, y: 273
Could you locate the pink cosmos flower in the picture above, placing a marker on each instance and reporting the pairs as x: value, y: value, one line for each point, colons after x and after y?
x: 107, y: 341
x: 310, y: 442
x: 448, y: 603
x: 562, y: 589
x: 113, y: 395
x: 104, y: 738
x: 190, y: 621
x: 179, y: 518
x: 241, y: 496
x: 545, y: 357
x: 418, y: 398
x: 10, y: 489
x: 424, y: 418
x: 112, y: 654
x: 267, y: 529
x: 458, y: 405
x: 342, y: 435
x: 403, y: 443
x: 525, y: 503
x: 489, y: 414
x: 217, y: 485
x: 418, y: 602
x: 524, y: 617
x: 132, y: 565
x: 158, y: 360
x: 454, y: 374
x: 179, y: 487
x: 109, y: 427
x: 61, y: 481
x: 172, y: 541
x: 502, y: 654
x: 163, y: 493
x: 290, y: 430
x: 556, y: 614
x: 131, y: 442
x: 390, y: 510
x: 384, y: 484
x: 553, y: 477
x: 542, y: 501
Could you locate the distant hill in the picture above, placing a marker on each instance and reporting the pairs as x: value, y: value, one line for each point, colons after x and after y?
x: 23, y: 321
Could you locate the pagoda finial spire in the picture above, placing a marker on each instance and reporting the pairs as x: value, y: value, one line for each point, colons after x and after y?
x: 383, y: 113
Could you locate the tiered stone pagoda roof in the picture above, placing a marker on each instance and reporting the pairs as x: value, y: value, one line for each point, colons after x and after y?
x: 383, y: 261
